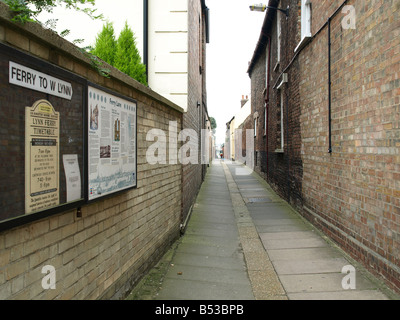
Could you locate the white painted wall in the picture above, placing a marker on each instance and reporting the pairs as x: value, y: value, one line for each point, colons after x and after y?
x: 242, y: 114
x: 168, y: 38
x: 168, y: 49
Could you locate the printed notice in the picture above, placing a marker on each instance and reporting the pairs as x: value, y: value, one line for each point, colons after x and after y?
x: 42, y: 132
x: 112, y: 143
x: 72, y: 177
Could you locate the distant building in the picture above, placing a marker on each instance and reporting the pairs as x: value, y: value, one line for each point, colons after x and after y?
x: 229, y: 140
x: 241, y: 125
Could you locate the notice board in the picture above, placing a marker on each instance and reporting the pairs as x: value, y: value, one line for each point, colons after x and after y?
x: 112, y: 121
x: 42, y: 138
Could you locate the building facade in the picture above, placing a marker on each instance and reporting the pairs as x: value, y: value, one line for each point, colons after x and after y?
x: 325, y: 103
x: 176, y: 33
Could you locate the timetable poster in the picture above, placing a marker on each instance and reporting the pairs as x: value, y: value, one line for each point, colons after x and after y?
x: 111, y: 143
x: 42, y: 136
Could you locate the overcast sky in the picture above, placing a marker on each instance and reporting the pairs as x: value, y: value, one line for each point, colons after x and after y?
x: 234, y: 32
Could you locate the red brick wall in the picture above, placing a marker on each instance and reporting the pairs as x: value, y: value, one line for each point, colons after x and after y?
x: 352, y: 194
x: 194, y: 118
x: 283, y: 170
x: 355, y: 190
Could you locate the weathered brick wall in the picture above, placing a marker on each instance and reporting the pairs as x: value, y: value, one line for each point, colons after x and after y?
x: 104, y: 253
x: 194, y: 117
x: 353, y: 194
x: 257, y: 110
x: 246, y: 125
x: 283, y: 170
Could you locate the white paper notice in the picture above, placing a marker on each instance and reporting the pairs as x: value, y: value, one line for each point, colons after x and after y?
x: 72, y: 177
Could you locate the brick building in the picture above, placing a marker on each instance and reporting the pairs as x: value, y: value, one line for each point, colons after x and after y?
x: 325, y: 102
x: 176, y: 33
x: 197, y: 113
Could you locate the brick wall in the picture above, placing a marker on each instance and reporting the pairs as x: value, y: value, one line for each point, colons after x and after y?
x: 194, y: 118
x: 105, y: 252
x: 246, y: 125
x: 352, y: 194
x: 355, y: 190
x: 282, y: 168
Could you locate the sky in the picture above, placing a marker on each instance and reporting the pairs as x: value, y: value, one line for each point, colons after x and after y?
x: 234, y: 32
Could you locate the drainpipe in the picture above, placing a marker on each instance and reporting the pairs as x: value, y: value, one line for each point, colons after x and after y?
x: 146, y: 36
x: 267, y: 103
x: 329, y: 86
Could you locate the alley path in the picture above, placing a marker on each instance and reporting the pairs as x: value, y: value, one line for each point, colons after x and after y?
x: 243, y: 242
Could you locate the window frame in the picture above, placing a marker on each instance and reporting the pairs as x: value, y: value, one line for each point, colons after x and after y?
x: 306, y: 14
x: 282, y: 121
x: 281, y: 147
x: 278, y: 37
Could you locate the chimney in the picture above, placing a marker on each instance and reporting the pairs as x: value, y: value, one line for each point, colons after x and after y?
x: 243, y: 101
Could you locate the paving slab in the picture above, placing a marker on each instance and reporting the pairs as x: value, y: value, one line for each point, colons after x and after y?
x: 200, y: 273
x: 211, y: 231
x: 227, y: 263
x: 280, y: 221
x: 177, y: 289
x: 294, y: 243
x: 321, y: 282
x: 339, y: 295
x: 231, y: 248
x: 281, y: 226
x: 191, y: 239
x: 297, y: 266
x: 317, y: 253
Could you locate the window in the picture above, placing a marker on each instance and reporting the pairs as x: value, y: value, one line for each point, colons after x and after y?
x: 279, y: 35
x: 282, y: 127
x: 255, y: 127
x: 305, y: 23
x: 280, y: 142
x: 267, y: 59
x: 200, y: 47
x: 265, y: 120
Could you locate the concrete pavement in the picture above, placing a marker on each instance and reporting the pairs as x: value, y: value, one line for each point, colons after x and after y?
x: 243, y: 242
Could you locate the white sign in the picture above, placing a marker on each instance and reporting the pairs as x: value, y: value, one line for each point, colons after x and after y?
x: 28, y: 78
x: 112, y: 143
x: 72, y: 176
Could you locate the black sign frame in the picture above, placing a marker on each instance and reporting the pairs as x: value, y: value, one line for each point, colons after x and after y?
x: 35, y: 63
x: 87, y: 178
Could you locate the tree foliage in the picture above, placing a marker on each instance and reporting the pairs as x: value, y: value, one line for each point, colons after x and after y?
x: 106, y: 44
x: 28, y: 10
x: 127, y: 56
x: 121, y: 53
x: 213, y: 123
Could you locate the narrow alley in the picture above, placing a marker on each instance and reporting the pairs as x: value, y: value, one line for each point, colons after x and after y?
x: 243, y: 242
x: 130, y: 169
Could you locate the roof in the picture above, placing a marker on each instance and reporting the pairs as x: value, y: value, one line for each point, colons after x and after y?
x: 265, y: 31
